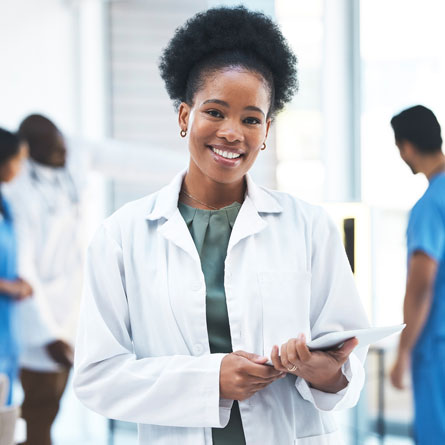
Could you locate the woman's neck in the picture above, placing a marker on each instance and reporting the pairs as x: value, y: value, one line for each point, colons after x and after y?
x: 203, y: 193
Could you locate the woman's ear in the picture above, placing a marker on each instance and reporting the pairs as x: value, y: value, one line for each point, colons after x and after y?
x: 184, y: 116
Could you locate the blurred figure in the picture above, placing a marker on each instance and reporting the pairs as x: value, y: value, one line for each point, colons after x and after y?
x: 12, y: 288
x: 422, y: 344
x: 46, y: 207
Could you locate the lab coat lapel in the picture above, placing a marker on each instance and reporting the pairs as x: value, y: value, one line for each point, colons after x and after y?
x: 175, y: 230
x: 248, y: 223
x: 249, y: 220
x: 172, y: 225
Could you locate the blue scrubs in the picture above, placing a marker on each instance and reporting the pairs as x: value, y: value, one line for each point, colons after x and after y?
x: 426, y: 233
x: 8, y: 322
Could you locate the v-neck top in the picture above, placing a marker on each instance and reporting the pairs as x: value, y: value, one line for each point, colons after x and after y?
x: 211, y: 230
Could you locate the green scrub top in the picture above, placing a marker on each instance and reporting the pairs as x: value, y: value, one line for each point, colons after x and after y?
x: 210, y: 230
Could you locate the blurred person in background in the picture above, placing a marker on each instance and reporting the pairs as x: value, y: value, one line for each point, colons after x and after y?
x: 12, y: 288
x: 46, y: 206
x: 422, y: 343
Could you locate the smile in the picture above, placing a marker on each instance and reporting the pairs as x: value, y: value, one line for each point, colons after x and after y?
x: 225, y: 154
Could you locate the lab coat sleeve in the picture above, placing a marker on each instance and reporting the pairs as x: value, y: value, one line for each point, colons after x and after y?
x: 176, y: 390
x: 335, y: 306
x: 35, y: 316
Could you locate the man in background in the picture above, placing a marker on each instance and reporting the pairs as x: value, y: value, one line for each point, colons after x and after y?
x: 422, y: 343
x: 47, y: 208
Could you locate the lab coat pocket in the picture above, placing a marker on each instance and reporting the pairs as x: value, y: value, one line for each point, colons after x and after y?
x: 286, y: 301
x: 324, y: 439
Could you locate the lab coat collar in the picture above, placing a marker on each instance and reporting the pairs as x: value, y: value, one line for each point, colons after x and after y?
x: 167, y: 200
x: 43, y: 172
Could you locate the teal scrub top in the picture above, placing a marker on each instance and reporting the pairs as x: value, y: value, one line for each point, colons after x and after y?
x: 426, y: 233
x: 210, y: 230
x: 9, y: 348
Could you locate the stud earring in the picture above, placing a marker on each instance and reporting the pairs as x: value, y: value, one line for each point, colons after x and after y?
x: 183, y: 133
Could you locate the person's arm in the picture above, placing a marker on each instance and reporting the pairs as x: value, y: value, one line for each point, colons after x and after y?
x: 422, y: 272
x: 335, y: 305
x: 127, y: 161
x: 16, y: 289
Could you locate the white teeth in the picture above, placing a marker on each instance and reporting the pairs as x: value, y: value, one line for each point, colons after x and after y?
x: 226, y: 154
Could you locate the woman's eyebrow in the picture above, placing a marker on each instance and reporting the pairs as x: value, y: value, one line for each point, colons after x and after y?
x: 225, y: 104
x: 216, y: 101
x: 253, y: 108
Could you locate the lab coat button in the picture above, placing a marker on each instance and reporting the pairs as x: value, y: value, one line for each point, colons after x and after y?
x: 198, y: 349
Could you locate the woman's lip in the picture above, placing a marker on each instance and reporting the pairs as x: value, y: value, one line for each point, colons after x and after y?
x: 226, y: 148
x: 225, y: 161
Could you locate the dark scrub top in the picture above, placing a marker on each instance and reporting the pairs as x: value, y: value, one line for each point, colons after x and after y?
x: 210, y: 230
x: 8, y: 329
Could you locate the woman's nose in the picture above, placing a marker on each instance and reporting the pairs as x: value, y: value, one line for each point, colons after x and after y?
x: 231, y: 131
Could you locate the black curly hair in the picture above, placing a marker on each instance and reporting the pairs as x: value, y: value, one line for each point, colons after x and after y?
x: 229, y: 37
x: 9, y: 145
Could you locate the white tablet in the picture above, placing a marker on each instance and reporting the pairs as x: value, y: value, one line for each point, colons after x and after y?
x: 365, y: 337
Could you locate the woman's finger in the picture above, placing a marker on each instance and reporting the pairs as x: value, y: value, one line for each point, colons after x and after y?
x: 252, y: 357
x: 302, y: 350
x: 342, y: 354
x: 276, y: 359
x: 292, y: 355
x: 284, y: 359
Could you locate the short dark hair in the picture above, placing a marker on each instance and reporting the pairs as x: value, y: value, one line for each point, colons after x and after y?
x: 229, y: 37
x: 419, y: 126
x: 40, y: 133
x: 9, y: 145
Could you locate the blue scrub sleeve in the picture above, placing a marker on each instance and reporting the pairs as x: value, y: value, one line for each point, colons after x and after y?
x: 426, y: 231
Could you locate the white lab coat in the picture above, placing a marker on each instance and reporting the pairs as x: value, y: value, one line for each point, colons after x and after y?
x: 142, y: 352
x: 46, y: 204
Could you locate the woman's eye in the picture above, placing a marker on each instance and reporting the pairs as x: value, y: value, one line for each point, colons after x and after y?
x: 214, y: 113
x: 252, y: 121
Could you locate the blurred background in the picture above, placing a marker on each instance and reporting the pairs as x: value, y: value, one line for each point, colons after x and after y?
x: 91, y: 67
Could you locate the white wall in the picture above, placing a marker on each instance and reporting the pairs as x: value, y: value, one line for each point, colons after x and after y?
x: 38, y: 73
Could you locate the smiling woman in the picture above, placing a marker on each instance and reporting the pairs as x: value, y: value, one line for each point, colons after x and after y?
x: 227, y: 127
x: 213, y: 264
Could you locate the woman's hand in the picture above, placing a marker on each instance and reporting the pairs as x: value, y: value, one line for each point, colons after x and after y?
x: 243, y: 374
x: 17, y: 289
x: 321, y: 369
x: 399, y: 370
x: 24, y: 290
x: 61, y: 352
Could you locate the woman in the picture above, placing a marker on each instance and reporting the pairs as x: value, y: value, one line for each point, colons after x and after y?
x: 213, y: 263
x: 12, y: 288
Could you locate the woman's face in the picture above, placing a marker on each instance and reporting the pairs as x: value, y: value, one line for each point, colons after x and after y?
x: 11, y: 167
x: 227, y: 124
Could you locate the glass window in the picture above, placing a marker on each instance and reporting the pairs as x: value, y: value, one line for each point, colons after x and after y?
x: 299, y: 126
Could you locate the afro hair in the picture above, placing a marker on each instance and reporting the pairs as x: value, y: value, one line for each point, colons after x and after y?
x: 225, y: 37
